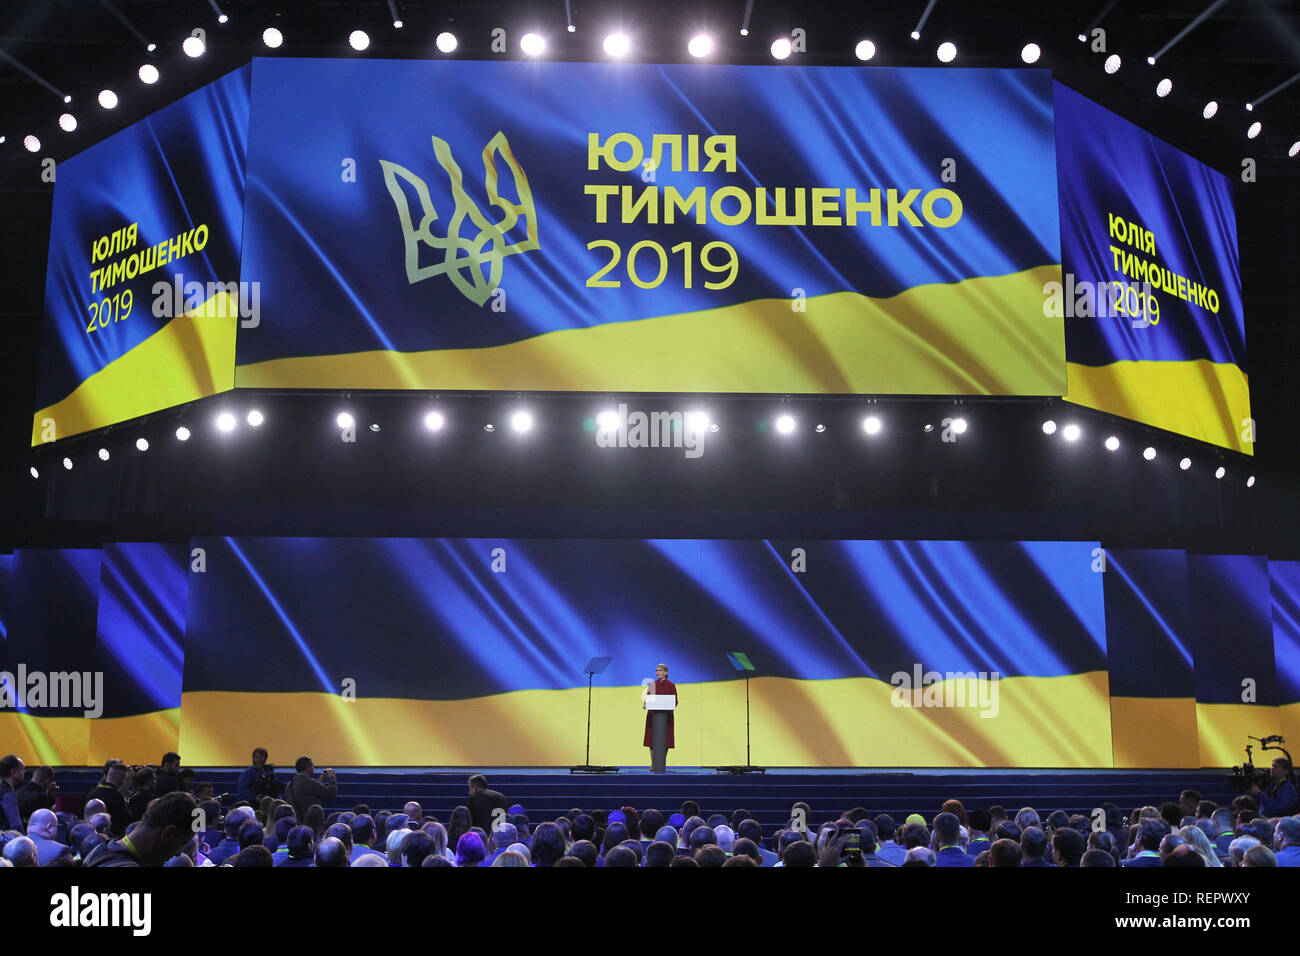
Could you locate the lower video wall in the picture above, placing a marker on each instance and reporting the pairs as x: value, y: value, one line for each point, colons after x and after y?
x: 471, y: 652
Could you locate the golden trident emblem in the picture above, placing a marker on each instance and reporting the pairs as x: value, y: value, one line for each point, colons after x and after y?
x: 461, y: 255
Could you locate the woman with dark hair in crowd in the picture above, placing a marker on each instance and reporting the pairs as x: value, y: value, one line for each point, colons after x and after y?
x: 615, y: 834
x: 547, y: 845
x: 315, y: 819
x: 459, y: 824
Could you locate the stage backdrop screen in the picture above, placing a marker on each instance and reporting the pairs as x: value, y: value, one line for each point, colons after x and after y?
x: 693, y: 228
x: 1155, y: 329
x: 140, y: 290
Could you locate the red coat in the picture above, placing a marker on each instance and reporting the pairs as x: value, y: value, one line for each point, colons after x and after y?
x: 661, y: 687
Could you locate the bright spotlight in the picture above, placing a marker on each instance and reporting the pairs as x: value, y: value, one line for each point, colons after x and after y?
x: 1112, y: 443
x: 489, y: 427
x: 151, y: 47
x: 142, y: 444
x: 1211, y: 108
x: 34, y: 472
x: 434, y: 421
x: 223, y: 19
x: 865, y: 50
x: 1220, y: 472
x: 398, y: 24
x: 532, y: 44
x: 959, y: 426
x: 1031, y: 53
x: 785, y: 424
x: 871, y: 425
x: 781, y: 48
x: 345, y: 420
x: 947, y: 52
x: 617, y: 44
x: 1250, y: 107
x: 226, y: 422
x: 819, y: 428
x: 1254, y: 130
x: 521, y: 421
x: 1294, y: 150
x: 1049, y: 427
x: 148, y: 74
x: 1149, y: 453
x: 193, y: 47
x: 916, y: 35
x: 1185, y: 464
x: 67, y: 122
x: 31, y: 143
x: 254, y: 417
x: 1151, y: 61
x: 358, y: 40
x: 67, y: 98
x: 1250, y: 482
x: 1164, y: 87
x: 697, y: 421
x: 607, y: 421
x: 67, y: 464
x: 107, y: 99
x: 1112, y: 63
x: 701, y: 45
x: 103, y: 454
x: 272, y: 37
x: 1070, y: 432
x: 446, y: 42
x: 182, y: 434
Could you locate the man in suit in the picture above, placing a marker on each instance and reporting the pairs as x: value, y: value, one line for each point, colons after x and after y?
x: 948, y: 843
x: 305, y: 791
x: 1288, y: 842
x: 38, y: 793
x: 12, y: 772
x: 482, y: 801
x: 109, y: 792
x: 168, y: 777
x: 1151, y: 832
x: 41, y: 830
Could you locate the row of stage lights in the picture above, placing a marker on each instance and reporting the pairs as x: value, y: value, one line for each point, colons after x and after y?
x: 522, y: 422
x: 1072, y: 433
x: 617, y: 46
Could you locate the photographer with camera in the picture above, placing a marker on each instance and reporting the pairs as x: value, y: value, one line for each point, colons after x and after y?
x: 1278, y: 797
x: 259, y: 780
x: 306, y: 791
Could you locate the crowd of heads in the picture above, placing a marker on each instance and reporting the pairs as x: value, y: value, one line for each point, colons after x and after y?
x: 268, y: 831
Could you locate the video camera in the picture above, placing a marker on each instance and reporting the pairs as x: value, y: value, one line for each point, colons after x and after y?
x: 266, y: 785
x: 1247, y: 775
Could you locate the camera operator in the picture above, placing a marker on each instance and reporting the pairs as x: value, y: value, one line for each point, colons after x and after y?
x: 258, y: 780
x: 1278, y: 798
x: 306, y: 791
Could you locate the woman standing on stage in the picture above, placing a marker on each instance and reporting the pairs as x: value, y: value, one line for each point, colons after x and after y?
x: 661, y: 685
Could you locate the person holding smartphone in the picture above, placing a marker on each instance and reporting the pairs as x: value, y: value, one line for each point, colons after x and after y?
x: 305, y: 791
